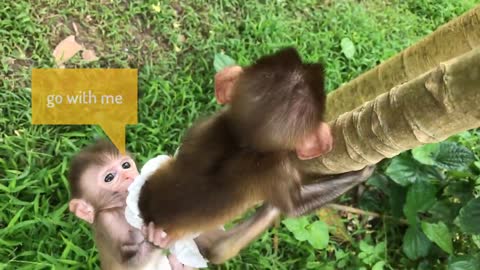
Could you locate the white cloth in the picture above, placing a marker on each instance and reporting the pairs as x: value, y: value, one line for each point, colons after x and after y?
x: 185, y: 249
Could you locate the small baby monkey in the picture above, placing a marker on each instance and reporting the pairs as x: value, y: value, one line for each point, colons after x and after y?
x: 248, y: 152
x: 99, y: 177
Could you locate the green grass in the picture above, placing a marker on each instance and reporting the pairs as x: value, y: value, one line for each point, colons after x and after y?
x: 173, y: 50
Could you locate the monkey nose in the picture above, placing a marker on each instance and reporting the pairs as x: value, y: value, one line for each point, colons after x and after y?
x: 128, y: 176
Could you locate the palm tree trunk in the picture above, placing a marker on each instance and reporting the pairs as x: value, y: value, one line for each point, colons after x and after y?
x: 429, y: 108
x: 448, y: 41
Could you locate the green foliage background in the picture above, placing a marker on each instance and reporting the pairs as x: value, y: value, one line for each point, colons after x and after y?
x: 173, y: 44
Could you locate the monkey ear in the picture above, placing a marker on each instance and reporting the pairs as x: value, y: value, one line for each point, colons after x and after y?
x: 224, y: 81
x: 82, y: 209
x: 317, y: 143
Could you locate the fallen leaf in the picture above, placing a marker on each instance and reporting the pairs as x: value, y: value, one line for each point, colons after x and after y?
x: 335, y: 222
x: 89, y: 55
x: 66, y: 49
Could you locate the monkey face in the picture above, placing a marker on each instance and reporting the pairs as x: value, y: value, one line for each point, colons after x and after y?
x: 115, y: 176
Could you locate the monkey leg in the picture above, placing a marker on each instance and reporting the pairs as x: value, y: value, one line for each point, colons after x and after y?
x: 314, y: 196
x: 219, y: 246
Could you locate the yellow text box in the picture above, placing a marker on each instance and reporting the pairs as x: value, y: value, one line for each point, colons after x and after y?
x: 107, y: 97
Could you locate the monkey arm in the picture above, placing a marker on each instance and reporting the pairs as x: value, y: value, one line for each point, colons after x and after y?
x: 218, y: 246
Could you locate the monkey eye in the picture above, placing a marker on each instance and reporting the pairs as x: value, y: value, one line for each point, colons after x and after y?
x: 109, y: 177
x: 126, y: 165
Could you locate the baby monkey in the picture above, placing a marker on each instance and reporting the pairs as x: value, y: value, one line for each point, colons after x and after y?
x: 248, y: 152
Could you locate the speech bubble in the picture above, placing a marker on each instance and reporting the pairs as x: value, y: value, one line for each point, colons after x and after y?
x: 105, y: 97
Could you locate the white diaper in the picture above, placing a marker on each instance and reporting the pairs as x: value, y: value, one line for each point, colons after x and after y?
x: 185, y: 249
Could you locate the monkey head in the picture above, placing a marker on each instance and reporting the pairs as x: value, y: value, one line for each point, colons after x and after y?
x: 277, y: 103
x: 99, y: 178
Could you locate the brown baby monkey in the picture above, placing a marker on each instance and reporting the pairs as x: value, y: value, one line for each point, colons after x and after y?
x: 99, y: 178
x: 247, y: 153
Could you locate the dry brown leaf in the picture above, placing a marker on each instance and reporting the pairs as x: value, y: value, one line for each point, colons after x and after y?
x: 89, y: 55
x: 66, y: 49
x: 333, y: 220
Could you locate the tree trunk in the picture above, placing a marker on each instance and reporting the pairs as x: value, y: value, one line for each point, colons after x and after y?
x: 450, y: 40
x: 429, y: 108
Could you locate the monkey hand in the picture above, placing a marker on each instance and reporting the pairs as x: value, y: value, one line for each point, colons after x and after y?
x: 156, y: 236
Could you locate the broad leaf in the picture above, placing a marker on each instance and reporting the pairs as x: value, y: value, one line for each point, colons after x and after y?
x: 379, y: 265
x: 427, y: 153
x: 404, y: 171
x: 415, y: 243
x: 476, y: 240
x: 439, y: 234
x: 445, y: 210
x: 365, y: 247
x: 348, y: 49
x: 424, y: 265
x: 466, y: 262
x: 372, y: 200
x: 469, y: 217
x: 298, y: 226
x: 446, y: 155
x: 396, y: 198
x: 453, y: 156
x: 222, y: 61
x: 379, y: 181
x: 420, y: 197
x: 460, y: 191
x: 318, y: 235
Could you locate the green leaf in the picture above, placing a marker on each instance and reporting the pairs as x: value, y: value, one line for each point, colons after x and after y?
x: 427, y: 153
x: 348, y: 49
x: 460, y: 191
x: 396, y: 199
x: 318, y: 235
x: 415, y: 243
x: 365, y: 247
x: 439, y: 234
x: 420, y: 197
x: 445, y: 210
x: 298, y: 226
x: 222, y: 61
x: 453, y: 156
x: 405, y: 170
x: 424, y: 265
x: 372, y: 200
x: 477, y: 164
x: 476, y: 240
x: 379, y: 265
x: 469, y: 217
x: 466, y: 262
x: 446, y: 155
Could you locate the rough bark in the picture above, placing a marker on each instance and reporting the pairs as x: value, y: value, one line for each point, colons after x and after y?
x: 448, y: 41
x: 429, y: 108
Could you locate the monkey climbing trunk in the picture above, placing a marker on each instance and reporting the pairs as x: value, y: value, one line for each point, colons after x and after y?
x: 448, y: 41
x: 429, y: 108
